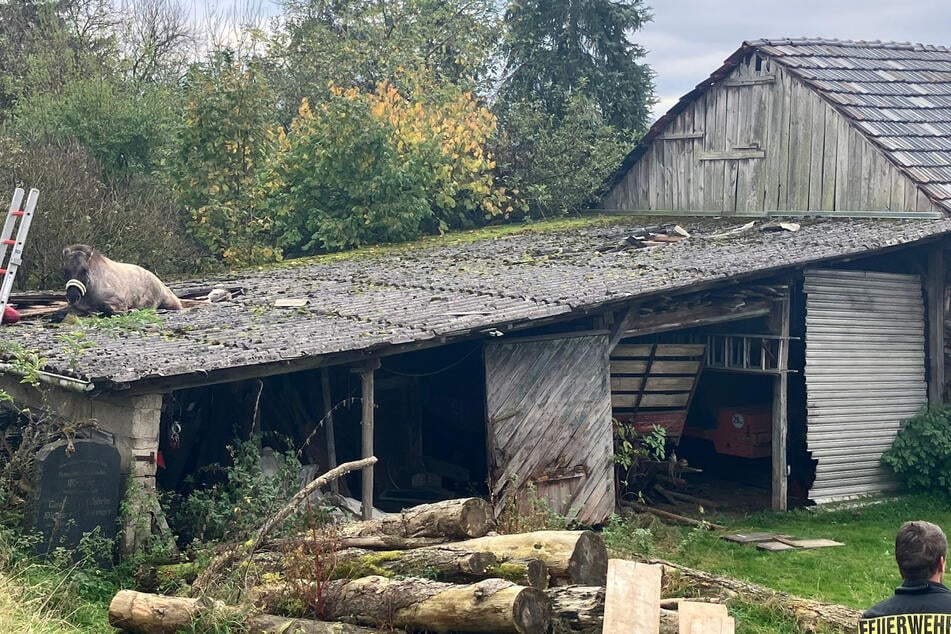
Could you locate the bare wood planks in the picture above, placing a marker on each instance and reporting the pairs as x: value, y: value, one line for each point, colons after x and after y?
x: 632, y: 598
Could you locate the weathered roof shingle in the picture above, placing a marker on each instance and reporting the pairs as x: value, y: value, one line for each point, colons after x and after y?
x: 380, y: 300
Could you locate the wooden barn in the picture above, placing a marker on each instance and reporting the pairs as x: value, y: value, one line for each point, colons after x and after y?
x: 831, y: 128
x: 803, y: 125
x: 771, y: 292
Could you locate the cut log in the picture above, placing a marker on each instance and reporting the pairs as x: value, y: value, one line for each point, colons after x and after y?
x: 531, y: 572
x: 577, y: 609
x: 441, y: 564
x: 809, y: 615
x: 492, y: 605
x: 434, y: 563
x: 142, y: 613
x: 466, y: 517
x: 270, y: 624
x: 373, y: 542
x: 580, y: 609
x: 572, y: 557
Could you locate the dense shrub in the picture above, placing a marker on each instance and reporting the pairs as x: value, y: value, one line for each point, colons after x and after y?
x: 133, y: 219
x: 921, y: 453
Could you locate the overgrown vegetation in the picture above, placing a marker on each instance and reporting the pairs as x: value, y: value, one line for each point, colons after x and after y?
x: 921, y: 453
x: 633, y: 452
x: 227, y: 502
x: 329, y: 126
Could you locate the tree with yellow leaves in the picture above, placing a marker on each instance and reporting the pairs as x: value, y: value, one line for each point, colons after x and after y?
x: 363, y: 168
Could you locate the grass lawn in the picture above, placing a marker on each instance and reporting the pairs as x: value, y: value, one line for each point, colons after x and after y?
x: 858, y: 574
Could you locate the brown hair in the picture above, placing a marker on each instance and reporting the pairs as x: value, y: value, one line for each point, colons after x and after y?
x: 919, y: 547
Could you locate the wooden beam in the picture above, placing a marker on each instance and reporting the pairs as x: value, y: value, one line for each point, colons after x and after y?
x: 619, y: 328
x: 752, y: 81
x: 366, y: 375
x: 936, y: 299
x: 732, y: 155
x: 679, y: 136
x: 693, y: 317
x: 780, y: 326
x: 329, y: 426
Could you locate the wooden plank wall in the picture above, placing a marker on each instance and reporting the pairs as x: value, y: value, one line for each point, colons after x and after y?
x: 761, y: 140
x: 548, y: 403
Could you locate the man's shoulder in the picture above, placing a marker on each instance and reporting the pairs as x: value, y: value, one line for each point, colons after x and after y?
x: 935, y: 600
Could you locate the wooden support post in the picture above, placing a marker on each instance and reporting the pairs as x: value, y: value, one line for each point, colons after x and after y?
x: 935, y: 290
x: 366, y: 376
x: 329, y: 426
x: 620, y: 327
x: 780, y: 326
x: 632, y: 598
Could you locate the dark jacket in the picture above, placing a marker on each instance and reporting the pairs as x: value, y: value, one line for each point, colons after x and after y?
x: 918, y: 607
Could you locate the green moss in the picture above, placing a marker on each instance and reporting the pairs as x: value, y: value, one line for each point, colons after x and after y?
x: 369, y: 564
x: 450, y: 239
x: 508, y: 571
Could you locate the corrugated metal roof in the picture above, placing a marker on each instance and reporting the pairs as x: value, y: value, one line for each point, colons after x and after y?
x: 897, y: 94
x: 381, y: 299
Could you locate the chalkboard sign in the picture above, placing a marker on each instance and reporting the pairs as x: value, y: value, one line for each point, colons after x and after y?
x: 75, y: 492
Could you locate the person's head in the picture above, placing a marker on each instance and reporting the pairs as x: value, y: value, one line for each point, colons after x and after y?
x: 920, y: 550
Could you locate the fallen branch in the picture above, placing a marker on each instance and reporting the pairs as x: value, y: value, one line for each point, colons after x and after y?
x: 229, y: 558
x: 673, y: 517
x: 303, y: 494
x: 683, y: 497
x: 810, y: 615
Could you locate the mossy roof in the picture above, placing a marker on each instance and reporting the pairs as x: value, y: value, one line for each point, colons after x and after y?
x: 381, y: 301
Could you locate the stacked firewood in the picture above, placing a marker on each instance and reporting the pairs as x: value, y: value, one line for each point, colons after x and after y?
x: 436, y: 567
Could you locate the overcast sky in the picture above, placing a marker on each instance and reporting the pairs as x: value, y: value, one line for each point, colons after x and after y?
x: 689, y: 39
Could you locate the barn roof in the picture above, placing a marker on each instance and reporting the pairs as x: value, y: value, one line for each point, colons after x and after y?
x: 387, y: 300
x: 898, y: 95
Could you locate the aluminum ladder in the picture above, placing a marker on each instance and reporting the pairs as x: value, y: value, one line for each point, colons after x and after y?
x: 17, y: 218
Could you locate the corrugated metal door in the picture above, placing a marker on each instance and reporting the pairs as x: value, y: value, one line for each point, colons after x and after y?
x: 548, y: 403
x: 865, y: 373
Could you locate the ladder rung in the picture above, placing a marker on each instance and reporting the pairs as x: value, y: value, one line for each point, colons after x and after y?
x: 10, y: 242
x: 3, y: 271
x: 17, y: 213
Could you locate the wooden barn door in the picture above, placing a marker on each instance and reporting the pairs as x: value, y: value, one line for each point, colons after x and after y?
x: 548, y: 403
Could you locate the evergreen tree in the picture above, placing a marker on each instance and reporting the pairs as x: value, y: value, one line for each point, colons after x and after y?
x: 555, y: 48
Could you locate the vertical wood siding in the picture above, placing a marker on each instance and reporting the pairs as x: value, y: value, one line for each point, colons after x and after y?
x: 549, y: 412
x: 814, y: 159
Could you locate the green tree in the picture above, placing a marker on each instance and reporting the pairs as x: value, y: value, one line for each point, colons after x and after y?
x: 223, y: 145
x: 557, y: 164
x: 554, y: 48
x: 128, y: 128
x: 362, y: 168
x: 415, y: 45
x: 340, y: 182
x: 46, y: 43
x: 573, y: 99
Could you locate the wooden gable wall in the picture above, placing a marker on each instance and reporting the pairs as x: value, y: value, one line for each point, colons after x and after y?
x: 761, y: 140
